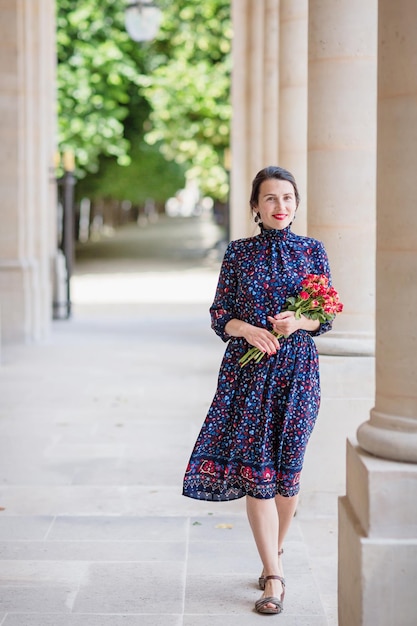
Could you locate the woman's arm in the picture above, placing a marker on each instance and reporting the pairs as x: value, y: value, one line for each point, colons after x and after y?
x: 222, y: 309
x: 322, y: 266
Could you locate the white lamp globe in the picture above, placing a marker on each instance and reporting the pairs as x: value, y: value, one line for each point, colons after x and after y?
x: 142, y: 20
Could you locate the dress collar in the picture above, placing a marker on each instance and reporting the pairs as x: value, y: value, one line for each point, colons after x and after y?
x: 276, y: 233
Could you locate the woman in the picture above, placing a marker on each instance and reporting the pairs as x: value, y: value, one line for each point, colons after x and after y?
x: 253, y: 440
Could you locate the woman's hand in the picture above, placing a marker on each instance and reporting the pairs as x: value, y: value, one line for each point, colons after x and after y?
x: 285, y: 323
x: 261, y: 338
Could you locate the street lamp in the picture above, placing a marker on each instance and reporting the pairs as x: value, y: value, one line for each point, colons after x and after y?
x: 142, y: 20
x: 65, y: 253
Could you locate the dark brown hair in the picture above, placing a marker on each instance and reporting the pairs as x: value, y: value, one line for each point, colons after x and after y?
x: 271, y: 171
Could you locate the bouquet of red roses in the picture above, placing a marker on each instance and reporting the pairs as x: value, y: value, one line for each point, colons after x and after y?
x: 317, y: 301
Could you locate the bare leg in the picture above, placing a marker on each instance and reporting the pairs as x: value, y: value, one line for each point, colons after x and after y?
x: 286, y: 509
x: 263, y: 519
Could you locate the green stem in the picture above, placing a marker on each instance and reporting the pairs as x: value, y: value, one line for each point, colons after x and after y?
x: 254, y: 354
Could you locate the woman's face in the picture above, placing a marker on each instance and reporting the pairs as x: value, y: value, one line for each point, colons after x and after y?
x: 276, y: 203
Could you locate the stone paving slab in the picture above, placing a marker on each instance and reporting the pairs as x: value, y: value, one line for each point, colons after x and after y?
x: 28, y: 528
x: 51, y: 586
x: 236, y: 594
x: 82, y: 587
x: 130, y: 588
x: 111, y: 528
x: 93, y: 551
x: 48, y: 599
x: 224, y: 557
x: 153, y: 500
x: 26, y: 619
x: 253, y: 620
x: 218, y: 526
x: 221, y: 558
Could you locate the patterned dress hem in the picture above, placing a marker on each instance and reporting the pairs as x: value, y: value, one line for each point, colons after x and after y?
x: 224, y: 493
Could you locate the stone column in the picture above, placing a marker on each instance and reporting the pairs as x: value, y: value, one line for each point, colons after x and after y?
x: 341, y: 160
x: 255, y: 99
x: 27, y: 125
x: 239, y: 173
x: 377, y: 517
x: 392, y: 429
x: 293, y: 68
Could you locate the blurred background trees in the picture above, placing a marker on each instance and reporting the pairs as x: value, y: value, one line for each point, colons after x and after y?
x: 143, y: 118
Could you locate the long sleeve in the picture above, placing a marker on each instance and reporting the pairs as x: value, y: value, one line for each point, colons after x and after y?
x: 322, y: 266
x: 223, y: 308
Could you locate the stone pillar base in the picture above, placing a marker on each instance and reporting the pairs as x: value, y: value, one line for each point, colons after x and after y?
x: 346, y: 344
x: 389, y: 436
x: 377, y: 542
x: 25, y: 301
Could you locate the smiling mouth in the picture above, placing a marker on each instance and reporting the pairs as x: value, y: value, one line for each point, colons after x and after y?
x: 279, y: 216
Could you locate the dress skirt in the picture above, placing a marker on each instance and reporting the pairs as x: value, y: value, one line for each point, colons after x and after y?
x: 254, y: 437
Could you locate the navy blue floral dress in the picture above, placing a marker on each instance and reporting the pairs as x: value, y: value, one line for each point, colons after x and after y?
x: 254, y: 437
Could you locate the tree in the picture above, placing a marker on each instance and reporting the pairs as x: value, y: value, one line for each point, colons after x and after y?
x: 148, y: 175
x: 174, y: 91
x: 99, y: 68
x: 188, y: 90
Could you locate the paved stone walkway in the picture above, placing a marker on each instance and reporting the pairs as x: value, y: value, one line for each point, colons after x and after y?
x: 96, y: 427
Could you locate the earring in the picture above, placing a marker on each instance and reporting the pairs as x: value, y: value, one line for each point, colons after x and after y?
x: 257, y: 218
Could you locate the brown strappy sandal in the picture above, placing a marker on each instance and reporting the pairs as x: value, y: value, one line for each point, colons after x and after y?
x: 261, y: 579
x: 260, y: 605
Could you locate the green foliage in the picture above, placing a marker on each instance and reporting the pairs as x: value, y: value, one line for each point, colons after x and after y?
x: 188, y: 90
x: 147, y: 176
x: 174, y: 91
x: 98, y: 67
